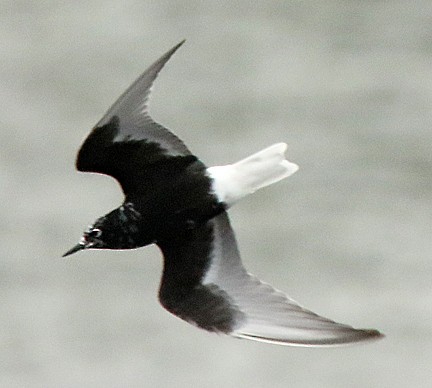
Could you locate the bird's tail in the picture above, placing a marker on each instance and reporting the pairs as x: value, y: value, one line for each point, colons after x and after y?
x: 234, y: 181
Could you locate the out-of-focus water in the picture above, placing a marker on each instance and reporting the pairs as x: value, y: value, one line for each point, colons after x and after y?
x: 348, y: 85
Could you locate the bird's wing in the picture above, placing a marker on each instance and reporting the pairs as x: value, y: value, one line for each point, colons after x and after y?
x: 126, y: 142
x: 205, y: 283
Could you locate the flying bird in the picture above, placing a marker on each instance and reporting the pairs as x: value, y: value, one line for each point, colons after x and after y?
x: 173, y: 200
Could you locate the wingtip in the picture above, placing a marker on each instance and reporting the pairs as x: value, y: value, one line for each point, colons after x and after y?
x: 366, y: 336
x: 373, y: 334
x: 178, y: 45
x: 362, y: 336
x: 168, y: 54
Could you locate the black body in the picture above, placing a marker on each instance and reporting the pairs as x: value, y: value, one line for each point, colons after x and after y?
x: 169, y: 200
x: 169, y: 194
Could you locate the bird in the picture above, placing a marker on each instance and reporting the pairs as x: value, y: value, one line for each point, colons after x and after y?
x: 172, y: 199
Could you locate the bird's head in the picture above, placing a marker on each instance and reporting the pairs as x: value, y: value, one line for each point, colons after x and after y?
x: 95, y: 237
x: 118, y: 229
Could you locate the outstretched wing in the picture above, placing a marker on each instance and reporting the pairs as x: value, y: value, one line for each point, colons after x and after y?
x: 205, y: 283
x: 126, y: 141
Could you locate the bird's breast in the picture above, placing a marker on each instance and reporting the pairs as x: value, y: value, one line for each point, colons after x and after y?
x: 179, y: 202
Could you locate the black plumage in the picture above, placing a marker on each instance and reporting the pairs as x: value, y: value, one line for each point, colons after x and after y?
x: 173, y: 200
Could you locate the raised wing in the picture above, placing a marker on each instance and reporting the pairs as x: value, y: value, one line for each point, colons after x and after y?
x: 205, y: 283
x: 126, y: 141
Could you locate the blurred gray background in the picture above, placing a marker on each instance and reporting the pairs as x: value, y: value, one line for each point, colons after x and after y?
x: 347, y: 84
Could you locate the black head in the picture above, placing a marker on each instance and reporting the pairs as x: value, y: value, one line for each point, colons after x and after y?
x: 119, y: 229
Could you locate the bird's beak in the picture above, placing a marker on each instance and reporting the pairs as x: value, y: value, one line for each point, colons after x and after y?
x: 76, y: 248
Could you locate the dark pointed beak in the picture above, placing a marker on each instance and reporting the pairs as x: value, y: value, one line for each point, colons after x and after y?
x: 76, y: 248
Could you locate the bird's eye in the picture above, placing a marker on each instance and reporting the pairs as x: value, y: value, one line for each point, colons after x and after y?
x: 95, y: 233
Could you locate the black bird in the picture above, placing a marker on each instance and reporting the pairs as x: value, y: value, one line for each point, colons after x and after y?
x: 173, y: 200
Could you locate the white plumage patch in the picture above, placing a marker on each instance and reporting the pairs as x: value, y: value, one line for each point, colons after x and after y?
x: 234, y: 181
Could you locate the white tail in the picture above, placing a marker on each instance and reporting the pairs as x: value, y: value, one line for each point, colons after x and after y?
x: 234, y: 181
